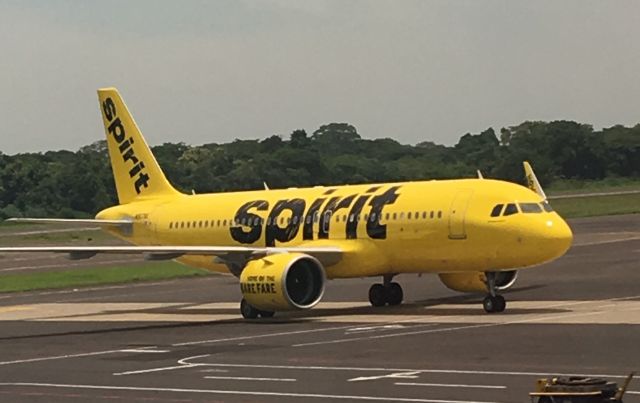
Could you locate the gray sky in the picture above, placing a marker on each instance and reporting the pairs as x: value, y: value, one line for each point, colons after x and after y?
x: 213, y: 71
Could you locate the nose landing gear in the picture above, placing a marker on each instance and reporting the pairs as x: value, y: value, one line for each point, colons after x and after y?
x: 493, y: 302
x: 386, y: 293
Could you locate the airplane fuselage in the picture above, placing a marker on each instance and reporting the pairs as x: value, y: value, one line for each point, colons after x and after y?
x: 410, y: 227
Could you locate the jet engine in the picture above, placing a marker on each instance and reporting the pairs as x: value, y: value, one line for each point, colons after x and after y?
x: 282, y: 282
x: 477, y: 281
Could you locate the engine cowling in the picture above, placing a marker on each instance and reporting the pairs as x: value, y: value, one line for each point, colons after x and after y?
x: 476, y: 281
x: 283, y: 281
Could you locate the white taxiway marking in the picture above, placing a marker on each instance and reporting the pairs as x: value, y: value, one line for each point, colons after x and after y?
x: 451, y: 385
x: 247, y: 378
x: 238, y: 392
x: 191, y: 343
x: 403, y: 375
x: 59, y: 357
x: 136, y: 350
x: 398, y: 372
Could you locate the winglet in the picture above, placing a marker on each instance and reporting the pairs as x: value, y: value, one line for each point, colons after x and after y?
x: 532, y: 180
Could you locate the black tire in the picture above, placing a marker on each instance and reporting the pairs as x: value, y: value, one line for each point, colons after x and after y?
x: 394, y: 294
x: 267, y: 314
x: 377, y: 295
x: 489, y: 304
x: 501, y: 304
x: 248, y: 311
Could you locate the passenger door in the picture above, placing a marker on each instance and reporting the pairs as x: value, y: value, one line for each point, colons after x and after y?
x: 457, y: 212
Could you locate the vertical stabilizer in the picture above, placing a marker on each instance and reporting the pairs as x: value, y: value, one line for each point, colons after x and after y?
x: 135, y: 170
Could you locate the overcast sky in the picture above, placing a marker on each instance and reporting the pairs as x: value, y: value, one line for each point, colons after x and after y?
x: 212, y: 71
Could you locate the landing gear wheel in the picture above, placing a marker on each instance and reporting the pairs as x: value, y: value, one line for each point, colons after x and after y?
x: 501, y: 304
x: 377, y: 295
x: 248, y: 311
x: 267, y: 314
x: 494, y: 304
x: 394, y: 294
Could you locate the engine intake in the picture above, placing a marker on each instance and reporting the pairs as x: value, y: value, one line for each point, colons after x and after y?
x: 284, y: 281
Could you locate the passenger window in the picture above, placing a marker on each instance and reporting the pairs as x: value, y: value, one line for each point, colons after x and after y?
x: 170, y: 225
x: 431, y: 215
x: 394, y: 216
x: 224, y: 223
x: 218, y: 223
x: 182, y: 224
x: 424, y: 215
x: 409, y: 215
x: 547, y: 207
x: 387, y: 217
x: 530, y: 208
x: 510, y: 209
x: 439, y: 214
x: 497, y: 210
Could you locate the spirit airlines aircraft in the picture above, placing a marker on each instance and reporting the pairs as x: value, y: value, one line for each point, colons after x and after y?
x: 284, y: 244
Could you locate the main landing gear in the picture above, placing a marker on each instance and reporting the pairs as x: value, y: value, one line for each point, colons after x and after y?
x: 493, y: 302
x: 386, y: 293
x: 248, y: 311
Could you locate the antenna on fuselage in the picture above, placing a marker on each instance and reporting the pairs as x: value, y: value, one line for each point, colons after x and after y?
x: 479, y: 174
x: 266, y: 187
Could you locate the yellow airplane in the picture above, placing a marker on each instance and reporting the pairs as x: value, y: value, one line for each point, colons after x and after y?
x: 284, y: 244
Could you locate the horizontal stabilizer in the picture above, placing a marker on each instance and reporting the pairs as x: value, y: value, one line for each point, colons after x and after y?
x: 82, y: 221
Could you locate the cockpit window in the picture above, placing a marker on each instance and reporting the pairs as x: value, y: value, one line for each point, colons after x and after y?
x: 510, y: 209
x: 497, y: 210
x: 528, y: 208
x: 547, y: 207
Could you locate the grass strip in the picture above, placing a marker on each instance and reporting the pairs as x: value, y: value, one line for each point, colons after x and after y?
x: 96, y: 276
x: 597, y: 205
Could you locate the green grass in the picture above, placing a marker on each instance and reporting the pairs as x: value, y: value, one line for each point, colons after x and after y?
x: 96, y: 276
x: 597, y: 205
x: 570, y: 186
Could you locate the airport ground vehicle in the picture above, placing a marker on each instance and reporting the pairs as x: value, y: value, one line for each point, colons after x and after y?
x: 578, y: 389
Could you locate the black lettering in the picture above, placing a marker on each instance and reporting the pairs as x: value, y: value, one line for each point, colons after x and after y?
x: 130, y: 156
x: 143, y: 180
x: 325, y: 218
x: 125, y: 144
x: 247, y: 237
x: 273, y: 232
x: 307, y: 228
x: 117, y: 130
x: 375, y: 230
x: 134, y: 171
x: 109, y: 109
x: 351, y: 231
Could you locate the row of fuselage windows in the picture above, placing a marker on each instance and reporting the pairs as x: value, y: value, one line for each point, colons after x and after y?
x: 515, y: 208
x: 256, y: 221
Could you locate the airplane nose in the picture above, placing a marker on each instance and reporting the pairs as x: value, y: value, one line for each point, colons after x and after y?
x: 559, y: 234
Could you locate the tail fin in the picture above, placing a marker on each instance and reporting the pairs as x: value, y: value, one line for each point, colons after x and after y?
x: 135, y: 170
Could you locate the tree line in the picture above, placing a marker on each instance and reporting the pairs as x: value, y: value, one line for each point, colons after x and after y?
x: 78, y: 184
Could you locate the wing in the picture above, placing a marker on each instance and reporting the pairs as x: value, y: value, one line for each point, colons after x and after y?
x: 327, y: 255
